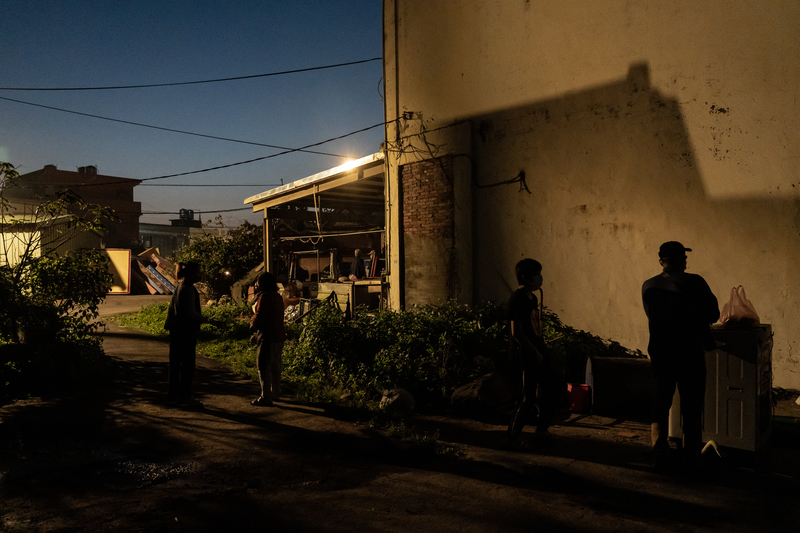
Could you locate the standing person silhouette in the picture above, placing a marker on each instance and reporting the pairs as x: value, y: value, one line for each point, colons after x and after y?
x: 679, y: 307
x: 528, y: 348
x: 269, y: 335
x: 183, y: 323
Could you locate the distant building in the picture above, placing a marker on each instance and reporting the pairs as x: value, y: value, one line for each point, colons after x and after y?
x: 109, y: 191
x: 167, y: 238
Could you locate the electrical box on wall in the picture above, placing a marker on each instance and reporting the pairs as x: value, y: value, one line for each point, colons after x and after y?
x: 738, y: 401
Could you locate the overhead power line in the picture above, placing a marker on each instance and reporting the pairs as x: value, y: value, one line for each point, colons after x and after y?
x: 266, y: 156
x: 105, y: 88
x: 206, y: 211
x: 287, y: 151
x: 163, y: 129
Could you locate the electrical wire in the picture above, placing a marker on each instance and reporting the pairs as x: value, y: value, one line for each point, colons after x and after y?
x: 287, y: 151
x: 198, y: 211
x: 162, y: 128
x: 188, y: 82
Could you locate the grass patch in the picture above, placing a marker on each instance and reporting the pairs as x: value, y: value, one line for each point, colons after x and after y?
x: 229, y: 344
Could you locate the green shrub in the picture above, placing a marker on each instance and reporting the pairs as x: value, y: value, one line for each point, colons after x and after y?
x: 48, y: 317
x: 225, y: 258
x: 570, y: 348
x: 429, y: 350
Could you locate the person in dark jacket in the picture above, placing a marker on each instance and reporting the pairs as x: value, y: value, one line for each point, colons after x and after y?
x: 183, y: 323
x: 680, y: 308
x: 269, y: 335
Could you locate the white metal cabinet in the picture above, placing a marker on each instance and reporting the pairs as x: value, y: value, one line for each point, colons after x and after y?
x: 738, y: 402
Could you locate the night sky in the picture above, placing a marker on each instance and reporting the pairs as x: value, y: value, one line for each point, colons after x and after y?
x: 69, y: 44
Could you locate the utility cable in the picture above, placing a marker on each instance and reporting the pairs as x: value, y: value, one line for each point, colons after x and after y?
x: 288, y: 151
x: 188, y: 82
x: 161, y: 128
x: 197, y: 211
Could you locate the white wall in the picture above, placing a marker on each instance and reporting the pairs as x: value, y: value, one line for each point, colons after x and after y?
x: 635, y: 123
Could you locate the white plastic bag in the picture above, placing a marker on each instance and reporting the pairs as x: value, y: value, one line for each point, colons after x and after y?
x: 739, y: 311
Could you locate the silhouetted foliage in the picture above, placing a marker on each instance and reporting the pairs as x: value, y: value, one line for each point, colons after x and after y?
x: 225, y: 258
x: 48, y: 303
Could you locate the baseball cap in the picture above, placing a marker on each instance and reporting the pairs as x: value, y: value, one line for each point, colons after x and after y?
x: 672, y: 249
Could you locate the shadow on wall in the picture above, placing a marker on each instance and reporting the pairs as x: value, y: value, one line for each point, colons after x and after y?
x: 612, y: 174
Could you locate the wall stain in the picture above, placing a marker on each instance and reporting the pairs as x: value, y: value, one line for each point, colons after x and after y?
x: 720, y: 137
x: 684, y: 159
x: 617, y: 227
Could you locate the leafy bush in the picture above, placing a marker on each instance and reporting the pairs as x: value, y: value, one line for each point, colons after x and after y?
x: 225, y: 259
x: 570, y: 348
x: 60, y: 297
x: 48, y: 303
x: 429, y: 350
x: 49, y: 368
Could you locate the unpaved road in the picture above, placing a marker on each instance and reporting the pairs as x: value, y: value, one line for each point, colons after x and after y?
x: 115, y: 457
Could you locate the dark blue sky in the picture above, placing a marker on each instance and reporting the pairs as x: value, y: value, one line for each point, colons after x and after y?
x: 104, y: 43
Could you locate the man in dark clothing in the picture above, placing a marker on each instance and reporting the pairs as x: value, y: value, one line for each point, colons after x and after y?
x: 680, y: 307
x: 528, y: 348
x: 183, y: 323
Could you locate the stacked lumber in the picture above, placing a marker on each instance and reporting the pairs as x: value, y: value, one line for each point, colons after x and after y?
x: 157, y: 271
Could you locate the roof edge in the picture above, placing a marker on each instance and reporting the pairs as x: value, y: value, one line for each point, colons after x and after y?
x: 315, y: 178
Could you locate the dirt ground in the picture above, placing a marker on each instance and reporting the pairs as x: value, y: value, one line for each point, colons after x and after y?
x: 116, y: 457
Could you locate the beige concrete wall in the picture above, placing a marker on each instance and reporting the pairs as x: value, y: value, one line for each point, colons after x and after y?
x: 635, y: 123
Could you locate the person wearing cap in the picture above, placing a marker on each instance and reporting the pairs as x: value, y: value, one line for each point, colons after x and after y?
x: 680, y: 307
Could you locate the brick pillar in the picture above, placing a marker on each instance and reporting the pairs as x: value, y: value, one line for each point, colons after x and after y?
x: 428, y: 214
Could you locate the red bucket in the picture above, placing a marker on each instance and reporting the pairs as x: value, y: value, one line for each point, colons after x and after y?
x: 580, y: 397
